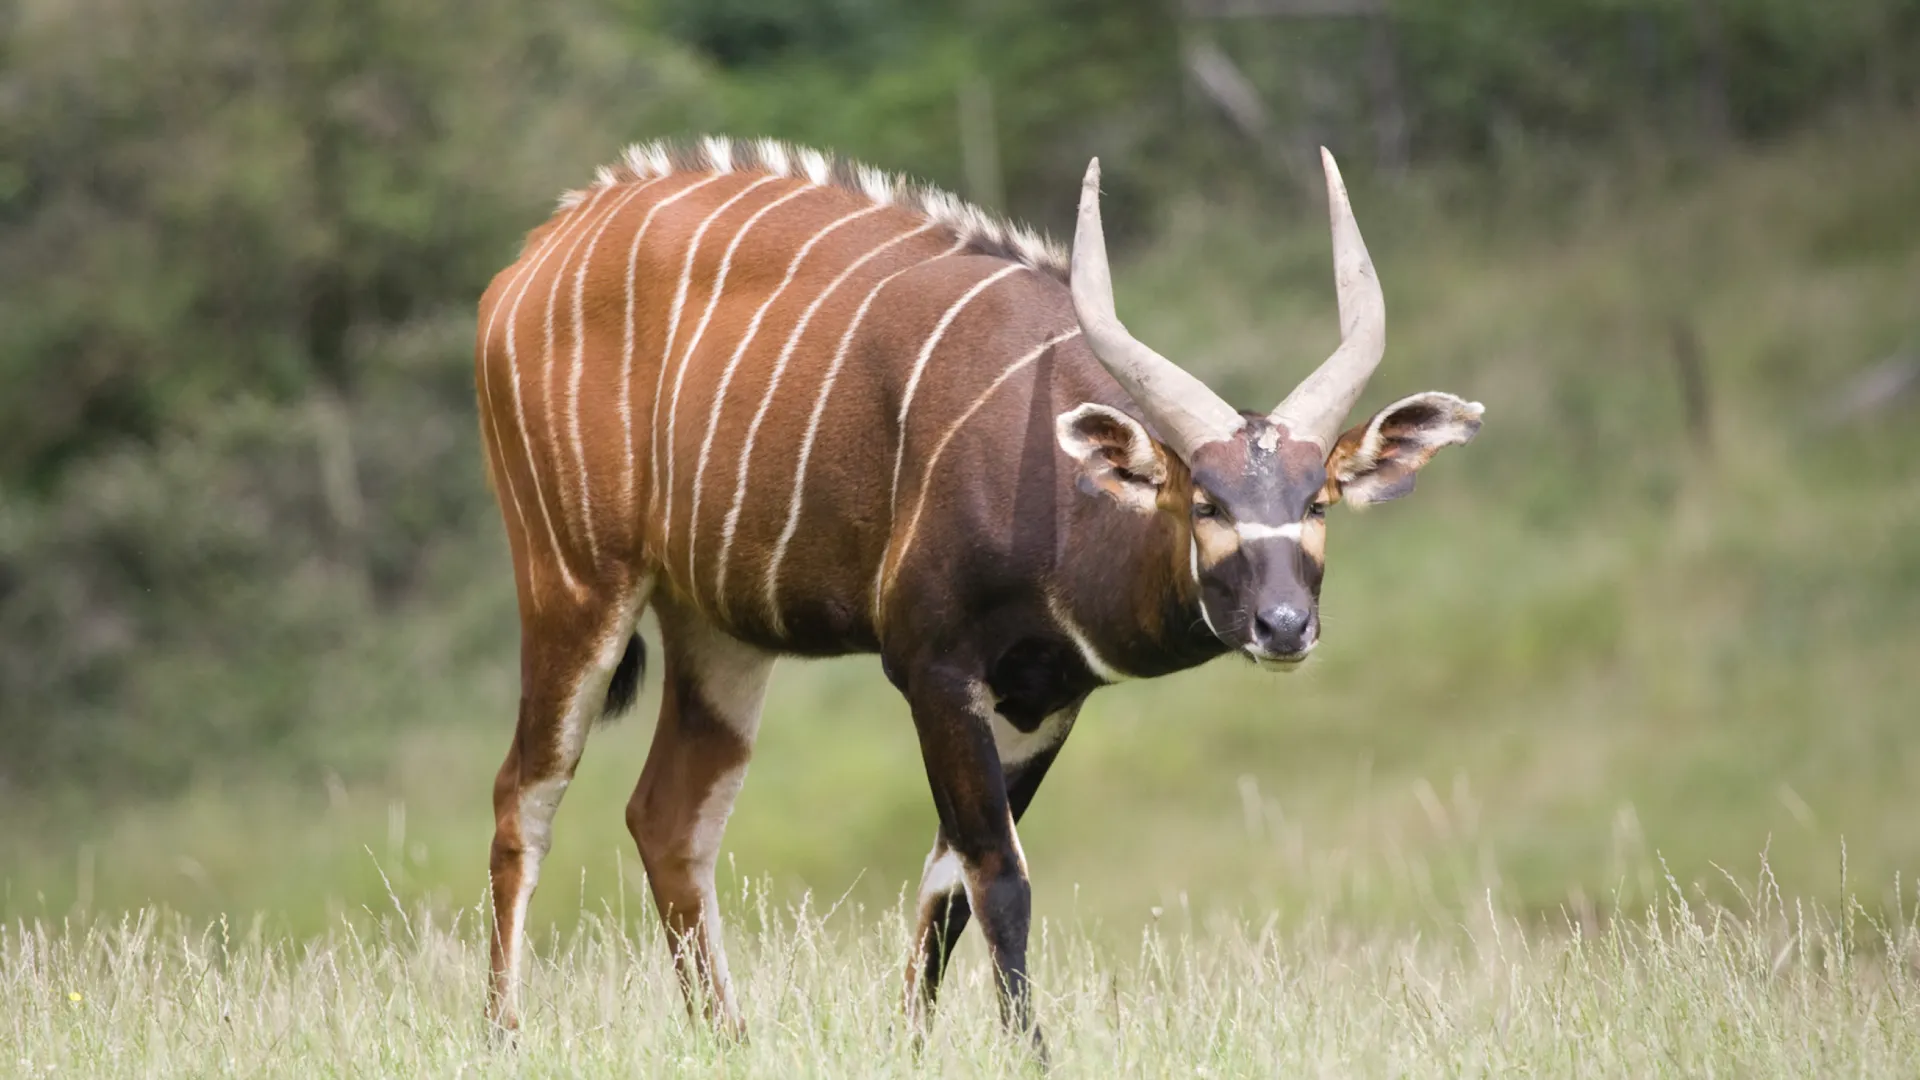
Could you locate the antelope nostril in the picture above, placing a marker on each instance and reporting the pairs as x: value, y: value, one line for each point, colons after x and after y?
x: 1281, y: 628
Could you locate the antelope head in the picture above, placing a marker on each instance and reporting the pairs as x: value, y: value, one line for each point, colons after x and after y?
x: 1248, y: 491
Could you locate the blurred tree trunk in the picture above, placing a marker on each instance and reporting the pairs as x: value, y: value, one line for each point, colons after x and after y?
x: 1390, y: 129
x: 1712, y: 100
x: 980, y: 142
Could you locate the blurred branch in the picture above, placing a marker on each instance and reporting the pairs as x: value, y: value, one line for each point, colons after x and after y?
x: 339, y: 477
x: 1236, y: 95
x: 1695, y: 398
x: 1224, y: 84
x: 1872, y: 390
x: 1295, y: 9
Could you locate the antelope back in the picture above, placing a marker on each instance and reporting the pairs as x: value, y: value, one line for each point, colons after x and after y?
x: 734, y: 367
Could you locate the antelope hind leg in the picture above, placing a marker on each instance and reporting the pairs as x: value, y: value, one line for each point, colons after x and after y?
x: 709, y: 714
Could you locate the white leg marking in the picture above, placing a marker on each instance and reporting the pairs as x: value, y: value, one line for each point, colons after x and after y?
x: 1102, y: 670
x: 1013, y: 834
x: 552, y: 362
x: 732, y: 680
x: 515, y: 945
x: 732, y: 676
x: 686, y: 360
x: 883, y: 579
x: 920, y: 366
x: 519, y: 402
x: 580, y: 367
x: 720, y: 398
x: 538, y: 802
x: 709, y: 830
x: 772, y: 579
x: 629, y: 511
x: 940, y: 876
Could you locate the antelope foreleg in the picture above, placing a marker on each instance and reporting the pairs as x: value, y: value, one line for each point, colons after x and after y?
x: 951, y: 712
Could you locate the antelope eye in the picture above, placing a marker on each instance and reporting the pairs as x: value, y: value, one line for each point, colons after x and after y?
x: 1317, y: 510
x: 1205, y: 510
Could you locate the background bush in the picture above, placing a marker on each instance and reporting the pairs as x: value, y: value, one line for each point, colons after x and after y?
x: 241, y: 507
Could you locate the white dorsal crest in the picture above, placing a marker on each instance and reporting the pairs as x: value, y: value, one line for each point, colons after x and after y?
x: 976, y: 228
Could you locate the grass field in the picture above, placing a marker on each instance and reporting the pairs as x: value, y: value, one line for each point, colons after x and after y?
x: 1775, y: 990
x: 1595, y: 649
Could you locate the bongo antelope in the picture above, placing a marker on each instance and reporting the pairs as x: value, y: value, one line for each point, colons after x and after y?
x: 799, y: 407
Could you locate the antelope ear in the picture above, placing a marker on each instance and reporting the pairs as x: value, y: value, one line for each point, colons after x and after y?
x: 1114, y: 453
x: 1377, y: 460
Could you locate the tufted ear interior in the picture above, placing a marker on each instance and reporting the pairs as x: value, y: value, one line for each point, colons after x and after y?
x: 1377, y: 461
x: 1114, y: 454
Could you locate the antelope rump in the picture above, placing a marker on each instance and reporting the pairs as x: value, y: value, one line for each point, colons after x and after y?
x: 800, y: 407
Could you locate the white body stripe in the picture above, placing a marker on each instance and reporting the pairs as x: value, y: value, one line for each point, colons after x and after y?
x: 551, y: 363
x: 883, y: 580
x: 813, y: 421
x: 686, y: 360
x: 1252, y: 530
x: 628, y: 509
x: 486, y: 390
x: 552, y: 359
x: 666, y: 348
x: 519, y: 401
x: 920, y: 367
x: 686, y: 355
x: 1090, y: 656
x: 580, y: 366
x: 739, y: 352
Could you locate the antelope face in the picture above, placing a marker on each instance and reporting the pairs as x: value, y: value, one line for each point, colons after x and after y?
x: 1258, y: 485
x: 1255, y: 516
x: 1250, y: 509
x: 1258, y: 505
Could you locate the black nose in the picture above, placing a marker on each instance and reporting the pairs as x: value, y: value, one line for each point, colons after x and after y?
x: 1281, y: 629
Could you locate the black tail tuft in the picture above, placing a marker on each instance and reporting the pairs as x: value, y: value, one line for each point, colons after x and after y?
x: 625, y: 685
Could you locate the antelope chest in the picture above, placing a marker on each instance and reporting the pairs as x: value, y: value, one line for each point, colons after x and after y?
x: 1030, y: 698
x: 1017, y: 746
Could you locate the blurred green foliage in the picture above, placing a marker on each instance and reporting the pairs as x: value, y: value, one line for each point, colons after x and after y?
x: 241, y: 507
